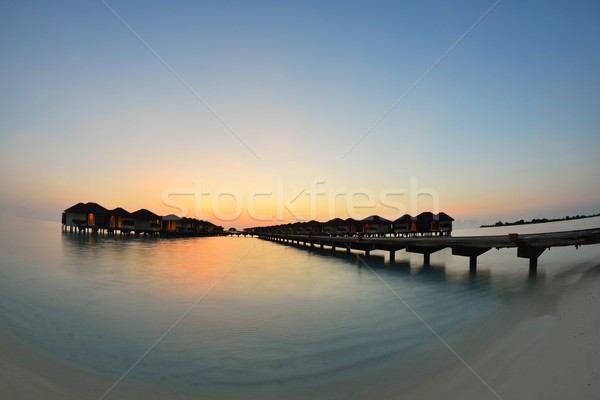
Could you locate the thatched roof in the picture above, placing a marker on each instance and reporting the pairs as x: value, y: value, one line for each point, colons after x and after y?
x: 404, y: 219
x: 425, y: 217
x: 119, y: 212
x: 443, y: 217
x: 86, y: 208
x: 144, y: 214
x: 376, y: 219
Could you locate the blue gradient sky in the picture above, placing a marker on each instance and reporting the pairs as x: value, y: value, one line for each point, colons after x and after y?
x: 505, y: 126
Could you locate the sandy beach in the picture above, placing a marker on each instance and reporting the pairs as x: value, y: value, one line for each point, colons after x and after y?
x: 549, y: 352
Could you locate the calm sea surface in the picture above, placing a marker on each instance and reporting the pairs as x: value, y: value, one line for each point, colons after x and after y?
x: 241, y: 312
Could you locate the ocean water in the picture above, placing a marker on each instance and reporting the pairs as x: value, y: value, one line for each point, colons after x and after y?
x: 240, y: 315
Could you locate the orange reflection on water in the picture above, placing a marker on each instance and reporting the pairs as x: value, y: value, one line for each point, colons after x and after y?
x: 166, y: 267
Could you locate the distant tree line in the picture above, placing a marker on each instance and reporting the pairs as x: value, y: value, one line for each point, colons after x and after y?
x: 538, y: 220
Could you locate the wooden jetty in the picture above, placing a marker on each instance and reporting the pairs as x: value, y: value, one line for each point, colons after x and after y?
x: 529, y: 246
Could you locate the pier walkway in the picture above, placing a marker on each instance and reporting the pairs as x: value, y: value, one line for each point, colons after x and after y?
x: 529, y: 246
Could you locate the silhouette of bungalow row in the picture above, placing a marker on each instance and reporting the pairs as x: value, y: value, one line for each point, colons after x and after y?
x: 86, y: 217
x: 424, y: 224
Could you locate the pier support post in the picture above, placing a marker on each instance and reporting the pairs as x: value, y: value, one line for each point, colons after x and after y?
x: 472, y: 253
x: 367, y: 253
x: 426, y: 259
x: 532, y: 253
x: 533, y: 266
x: 473, y: 264
x: 392, y: 256
x: 425, y: 250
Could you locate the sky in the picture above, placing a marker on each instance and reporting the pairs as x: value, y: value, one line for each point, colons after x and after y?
x: 259, y: 112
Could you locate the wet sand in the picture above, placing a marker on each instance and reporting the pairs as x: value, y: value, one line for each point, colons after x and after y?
x: 552, y: 351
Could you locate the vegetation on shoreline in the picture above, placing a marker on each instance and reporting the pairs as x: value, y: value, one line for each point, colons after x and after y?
x: 539, y: 220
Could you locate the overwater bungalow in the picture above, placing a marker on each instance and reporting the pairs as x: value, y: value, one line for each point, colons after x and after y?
x: 172, y: 224
x: 406, y: 225
x: 121, y: 220
x: 375, y: 225
x: 425, y: 223
x: 302, y: 228
x: 169, y: 223
x: 332, y: 226
x: 202, y: 227
x: 184, y: 225
x: 270, y: 229
x: 289, y: 229
x: 86, y: 216
x: 341, y: 227
x: 146, y: 222
x: 212, y: 228
x: 314, y: 227
x: 350, y: 227
x: 444, y: 223
x: 308, y: 228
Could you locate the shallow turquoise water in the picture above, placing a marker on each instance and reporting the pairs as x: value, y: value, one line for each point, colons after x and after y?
x: 241, y: 312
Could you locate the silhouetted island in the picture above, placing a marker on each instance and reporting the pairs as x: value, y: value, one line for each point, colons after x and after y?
x: 538, y: 221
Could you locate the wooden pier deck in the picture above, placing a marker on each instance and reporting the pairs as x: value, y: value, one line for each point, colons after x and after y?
x: 529, y: 246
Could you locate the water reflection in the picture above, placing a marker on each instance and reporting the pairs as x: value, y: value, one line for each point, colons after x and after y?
x: 445, y: 269
x: 168, y: 260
